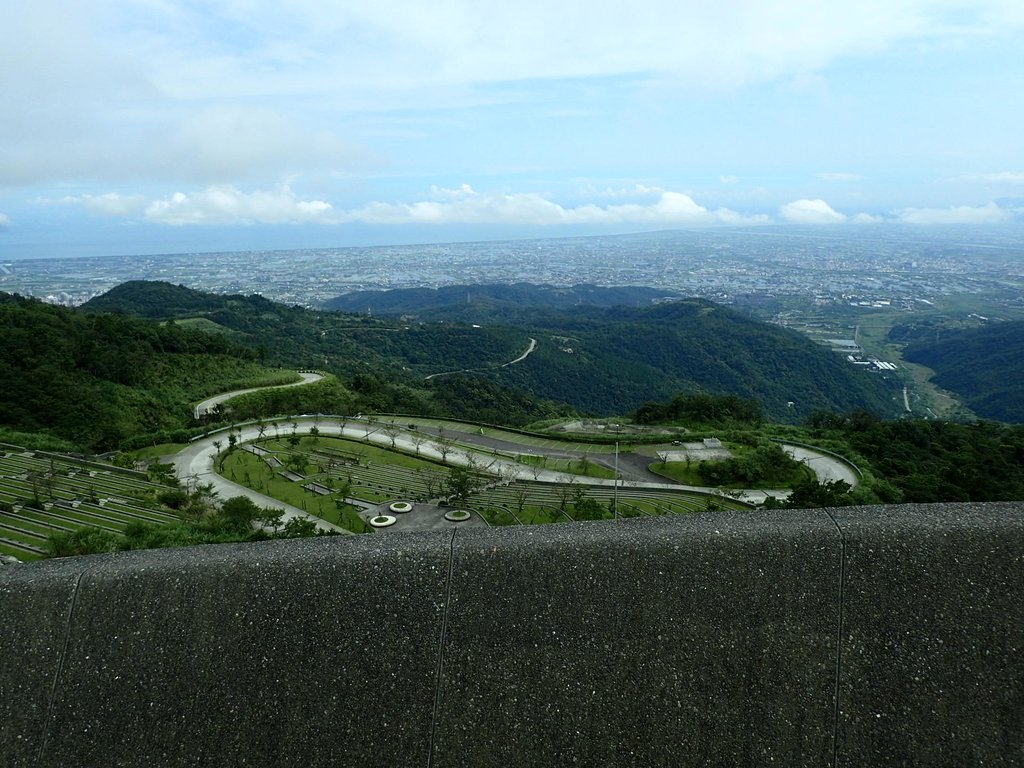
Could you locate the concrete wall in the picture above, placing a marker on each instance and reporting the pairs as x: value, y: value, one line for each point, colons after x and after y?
x: 868, y: 636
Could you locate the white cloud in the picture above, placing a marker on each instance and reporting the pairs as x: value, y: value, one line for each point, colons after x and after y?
x: 4, y: 220
x: 811, y: 212
x: 964, y: 214
x: 867, y: 218
x: 728, y: 179
x: 108, y: 204
x: 1005, y: 177
x: 228, y: 205
x: 840, y: 176
x: 470, y: 207
x: 111, y: 90
x: 637, y: 190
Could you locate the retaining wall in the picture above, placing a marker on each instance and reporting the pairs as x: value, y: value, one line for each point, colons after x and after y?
x: 848, y: 637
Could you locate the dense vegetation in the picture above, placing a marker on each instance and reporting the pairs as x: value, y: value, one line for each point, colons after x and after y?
x: 932, y: 461
x: 984, y: 366
x: 596, y: 360
x: 610, y: 361
x: 700, y: 408
x: 95, y: 380
x: 201, y: 522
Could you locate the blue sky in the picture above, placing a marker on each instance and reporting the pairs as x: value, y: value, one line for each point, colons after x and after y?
x: 140, y: 126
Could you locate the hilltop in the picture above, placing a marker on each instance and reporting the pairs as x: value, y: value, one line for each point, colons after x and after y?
x: 600, y: 360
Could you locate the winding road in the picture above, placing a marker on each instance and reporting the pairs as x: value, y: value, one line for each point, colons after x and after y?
x: 826, y: 468
x: 212, y: 402
x: 195, y: 462
x: 526, y: 354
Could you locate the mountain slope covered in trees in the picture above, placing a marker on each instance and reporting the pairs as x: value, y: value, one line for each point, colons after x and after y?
x: 95, y: 380
x: 602, y: 360
x: 984, y: 366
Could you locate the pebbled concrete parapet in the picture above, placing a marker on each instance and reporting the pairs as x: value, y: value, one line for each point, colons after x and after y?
x: 861, y: 636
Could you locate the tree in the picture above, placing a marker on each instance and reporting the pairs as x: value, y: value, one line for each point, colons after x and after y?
x: 460, y: 485
x: 240, y: 512
x: 392, y: 430
x: 298, y: 527
x: 519, y: 494
x: 809, y: 494
x: 444, y: 447
x: 565, y: 490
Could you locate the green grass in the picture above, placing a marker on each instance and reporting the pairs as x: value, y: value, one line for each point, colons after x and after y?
x: 251, y: 471
x: 679, y: 471
x: 202, y: 324
x: 579, y: 467
x: 158, y: 451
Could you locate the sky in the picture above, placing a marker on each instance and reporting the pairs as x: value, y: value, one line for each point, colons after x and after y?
x: 148, y: 126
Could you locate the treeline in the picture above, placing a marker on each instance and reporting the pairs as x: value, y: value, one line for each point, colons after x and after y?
x: 610, y: 361
x: 200, y: 521
x: 95, y: 380
x: 984, y: 366
x: 346, y: 345
x: 933, y: 461
x: 597, y: 360
x: 700, y: 408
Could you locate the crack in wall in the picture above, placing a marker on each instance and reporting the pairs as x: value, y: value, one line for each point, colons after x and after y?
x: 440, y: 650
x: 839, y: 637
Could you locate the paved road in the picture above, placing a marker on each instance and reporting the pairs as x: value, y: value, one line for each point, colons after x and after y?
x: 210, y: 403
x: 826, y: 468
x: 526, y: 354
x: 196, y: 462
x: 462, y: 456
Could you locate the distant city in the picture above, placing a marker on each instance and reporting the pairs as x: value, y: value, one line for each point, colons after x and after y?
x: 883, y: 267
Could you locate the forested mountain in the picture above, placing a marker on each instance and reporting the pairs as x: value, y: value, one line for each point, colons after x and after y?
x: 385, y: 362
x: 612, y: 360
x: 984, y: 366
x: 597, y: 360
x: 341, y: 343
x: 490, y: 301
x: 95, y: 380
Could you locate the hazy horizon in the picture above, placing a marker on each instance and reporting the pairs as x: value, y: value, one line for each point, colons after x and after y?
x: 139, y: 127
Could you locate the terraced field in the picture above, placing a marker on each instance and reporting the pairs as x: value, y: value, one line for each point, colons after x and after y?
x: 48, y: 494
x: 330, y: 476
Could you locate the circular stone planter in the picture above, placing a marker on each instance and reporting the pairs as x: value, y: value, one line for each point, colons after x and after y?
x: 458, y: 515
x: 383, y: 521
x: 400, y: 507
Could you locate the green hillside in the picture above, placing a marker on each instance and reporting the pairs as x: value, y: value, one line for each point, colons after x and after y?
x: 984, y: 366
x: 601, y: 360
x: 95, y: 380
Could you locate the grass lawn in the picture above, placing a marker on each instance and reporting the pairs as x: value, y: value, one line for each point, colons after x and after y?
x: 251, y: 471
x: 158, y: 451
x: 587, y: 468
